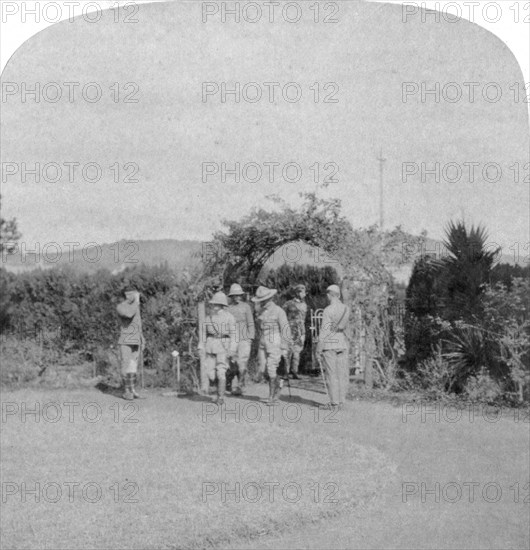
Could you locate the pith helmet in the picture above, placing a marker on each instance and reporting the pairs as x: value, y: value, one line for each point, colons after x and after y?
x: 333, y: 288
x: 263, y: 293
x: 299, y: 288
x: 236, y: 290
x: 219, y: 298
x: 128, y: 286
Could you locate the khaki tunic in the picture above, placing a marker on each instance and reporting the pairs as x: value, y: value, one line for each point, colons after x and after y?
x: 275, y: 336
x: 333, y: 350
x: 220, y: 343
x: 245, y: 333
x: 296, y: 311
x: 334, y: 322
x: 131, y: 337
x: 131, y: 324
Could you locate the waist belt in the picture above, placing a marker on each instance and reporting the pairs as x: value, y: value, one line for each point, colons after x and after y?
x: 218, y: 337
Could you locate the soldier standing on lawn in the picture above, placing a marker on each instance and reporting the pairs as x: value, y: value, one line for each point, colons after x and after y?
x: 332, y: 347
x: 131, y: 339
x: 275, y: 336
x: 221, y: 342
x: 296, y: 310
x: 245, y: 333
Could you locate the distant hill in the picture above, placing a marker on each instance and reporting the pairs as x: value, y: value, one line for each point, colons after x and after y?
x: 181, y: 255
x: 115, y: 256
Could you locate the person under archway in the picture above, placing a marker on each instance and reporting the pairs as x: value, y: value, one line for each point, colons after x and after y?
x: 333, y: 346
x: 296, y: 310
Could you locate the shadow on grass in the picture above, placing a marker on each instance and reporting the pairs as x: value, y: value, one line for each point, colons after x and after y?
x: 103, y: 387
x: 196, y: 397
x: 284, y: 398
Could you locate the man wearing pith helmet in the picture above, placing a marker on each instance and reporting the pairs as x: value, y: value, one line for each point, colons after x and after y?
x: 333, y: 346
x: 245, y: 333
x: 131, y: 338
x: 275, y: 336
x: 296, y: 310
x: 221, y: 342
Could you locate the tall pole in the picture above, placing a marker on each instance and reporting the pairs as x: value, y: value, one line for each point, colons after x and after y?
x: 204, y: 382
x: 381, y: 210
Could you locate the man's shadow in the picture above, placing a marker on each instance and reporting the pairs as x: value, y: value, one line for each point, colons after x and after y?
x: 299, y: 400
x: 202, y: 398
x: 284, y: 398
x: 196, y: 397
x: 104, y: 387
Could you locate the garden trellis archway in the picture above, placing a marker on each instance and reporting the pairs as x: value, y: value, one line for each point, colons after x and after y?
x: 239, y: 254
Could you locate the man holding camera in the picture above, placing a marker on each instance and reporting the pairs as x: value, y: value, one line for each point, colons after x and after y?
x: 131, y: 339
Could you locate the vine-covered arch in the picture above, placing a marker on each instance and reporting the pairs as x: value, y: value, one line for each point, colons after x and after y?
x: 240, y: 252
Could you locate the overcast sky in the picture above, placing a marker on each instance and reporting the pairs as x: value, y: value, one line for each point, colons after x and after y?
x: 170, y: 132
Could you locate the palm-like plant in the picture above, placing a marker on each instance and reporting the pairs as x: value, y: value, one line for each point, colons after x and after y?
x: 465, y: 271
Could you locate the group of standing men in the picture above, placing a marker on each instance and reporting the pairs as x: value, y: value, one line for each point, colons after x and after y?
x: 230, y: 329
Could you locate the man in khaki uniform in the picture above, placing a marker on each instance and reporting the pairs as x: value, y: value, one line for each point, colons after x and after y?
x: 296, y: 310
x: 131, y: 339
x: 245, y: 333
x: 333, y: 345
x: 220, y: 327
x: 275, y: 336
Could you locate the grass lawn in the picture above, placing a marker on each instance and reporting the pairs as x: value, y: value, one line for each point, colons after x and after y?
x: 187, y: 476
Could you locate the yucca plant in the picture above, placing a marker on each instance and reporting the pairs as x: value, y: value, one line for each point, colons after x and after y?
x: 470, y: 351
x: 465, y: 271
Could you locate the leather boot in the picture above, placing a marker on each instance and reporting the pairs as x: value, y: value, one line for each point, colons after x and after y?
x: 128, y: 393
x: 221, y: 387
x: 272, y: 391
x: 277, y: 388
x: 135, y: 394
x: 240, y: 384
x: 228, y: 383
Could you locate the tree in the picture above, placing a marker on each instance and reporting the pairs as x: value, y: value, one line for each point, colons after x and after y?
x: 465, y: 272
x: 445, y: 306
x: 243, y: 249
x: 506, y: 322
x: 422, y: 302
x: 505, y: 273
x: 8, y: 234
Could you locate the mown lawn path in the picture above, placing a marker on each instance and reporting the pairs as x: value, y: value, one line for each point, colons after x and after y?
x: 431, y: 445
x: 182, y: 450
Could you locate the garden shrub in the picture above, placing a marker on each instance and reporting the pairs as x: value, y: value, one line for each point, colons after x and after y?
x: 483, y: 388
x: 75, y: 317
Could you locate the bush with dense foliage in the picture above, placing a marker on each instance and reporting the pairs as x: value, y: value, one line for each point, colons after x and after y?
x: 76, y: 313
x: 455, y: 315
